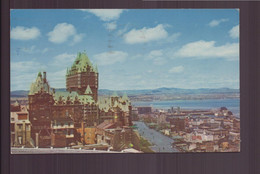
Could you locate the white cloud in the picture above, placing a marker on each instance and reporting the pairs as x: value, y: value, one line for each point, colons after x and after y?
x: 26, y: 66
x: 155, y: 53
x: 110, y: 26
x: 57, y: 79
x: 234, y: 32
x: 32, y: 50
x: 77, y: 38
x: 62, y: 32
x: 123, y: 30
x: 207, y: 49
x: 105, y: 14
x: 159, y: 61
x: 176, y: 69
x: 29, y: 50
x: 23, y: 73
x: 63, y: 60
x: 172, y: 38
x: 23, y: 33
x: 157, y: 56
x: 215, y: 23
x: 109, y: 58
x: 145, y: 35
x: 45, y: 50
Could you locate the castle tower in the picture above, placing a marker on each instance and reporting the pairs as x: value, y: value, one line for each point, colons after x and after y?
x: 40, y: 101
x: 114, y: 98
x: 81, y: 75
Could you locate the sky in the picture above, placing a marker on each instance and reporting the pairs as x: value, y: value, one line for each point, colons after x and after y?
x: 133, y: 49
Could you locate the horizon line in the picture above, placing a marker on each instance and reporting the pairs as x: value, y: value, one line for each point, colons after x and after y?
x: 142, y: 89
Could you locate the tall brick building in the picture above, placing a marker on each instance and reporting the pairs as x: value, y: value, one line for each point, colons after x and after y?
x: 40, y: 99
x: 79, y: 104
x: 81, y: 75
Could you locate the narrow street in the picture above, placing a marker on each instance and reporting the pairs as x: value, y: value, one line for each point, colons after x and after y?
x: 160, y: 142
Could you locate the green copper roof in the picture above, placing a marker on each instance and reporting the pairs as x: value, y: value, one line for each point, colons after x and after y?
x: 114, y: 94
x: 88, y: 91
x: 81, y: 64
x: 115, y: 104
x: 105, y: 104
x: 125, y: 97
x: 72, y: 96
x: 16, y: 103
x: 39, y: 85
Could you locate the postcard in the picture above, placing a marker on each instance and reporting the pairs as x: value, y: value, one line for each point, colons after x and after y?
x: 124, y: 81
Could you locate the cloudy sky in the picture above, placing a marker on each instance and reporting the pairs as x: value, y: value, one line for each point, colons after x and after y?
x: 134, y: 49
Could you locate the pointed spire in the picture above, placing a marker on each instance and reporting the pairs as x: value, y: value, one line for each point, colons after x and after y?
x: 39, y: 74
x: 16, y: 103
x: 115, y: 104
x: 114, y: 94
x: 125, y: 97
x: 88, y: 91
x: 85, y: 58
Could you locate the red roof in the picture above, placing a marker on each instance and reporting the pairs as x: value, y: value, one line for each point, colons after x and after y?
x: 199, y: 138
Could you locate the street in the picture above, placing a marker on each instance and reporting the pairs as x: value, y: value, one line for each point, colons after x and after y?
x: 160, y: 142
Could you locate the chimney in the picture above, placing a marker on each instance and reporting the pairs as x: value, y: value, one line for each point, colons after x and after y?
x: 44, y: 76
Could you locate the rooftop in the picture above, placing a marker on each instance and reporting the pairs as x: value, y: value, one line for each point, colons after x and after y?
x: 81, y: 64
x: 39, y: 85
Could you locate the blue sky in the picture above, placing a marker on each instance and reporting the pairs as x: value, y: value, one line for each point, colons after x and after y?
x: 134, y: 49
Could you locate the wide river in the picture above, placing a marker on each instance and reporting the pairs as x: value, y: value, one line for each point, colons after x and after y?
x: 232, y: 104
x: 160, y: 142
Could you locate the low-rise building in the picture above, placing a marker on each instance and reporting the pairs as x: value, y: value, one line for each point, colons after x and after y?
x: 87, y: 134
x: 20, y: 127
x: 62, y: 131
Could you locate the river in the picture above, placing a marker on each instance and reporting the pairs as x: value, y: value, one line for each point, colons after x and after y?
x: 231, y: 104
x: 160, y: 142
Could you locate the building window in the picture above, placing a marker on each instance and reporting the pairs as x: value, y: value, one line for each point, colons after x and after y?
x: 27, y: 127
x: 19, y: 126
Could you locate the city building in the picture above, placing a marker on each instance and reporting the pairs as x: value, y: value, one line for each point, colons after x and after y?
x: 40, y: 100
x: 62, y: 131
x: 116, y: 109
x: 20, y: 126
x: 177, y: 124
x: 55, y: 115
x: 82, y: 75
x: 87, y: 134
x: 144, y: 110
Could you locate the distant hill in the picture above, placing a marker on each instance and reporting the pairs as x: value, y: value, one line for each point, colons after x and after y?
x: 19, y: 93
x: 177, y: 91
x: 158, y: 91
